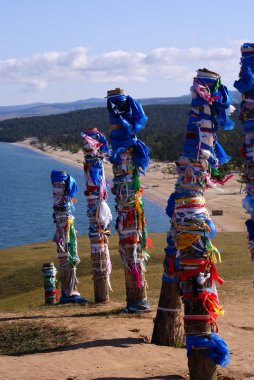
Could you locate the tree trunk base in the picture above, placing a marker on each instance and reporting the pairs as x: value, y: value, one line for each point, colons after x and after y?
x: 167, y: 323
x: 101, y: 291
x: 206, y: 368
x: 99, y: 267
x: 136, y: 297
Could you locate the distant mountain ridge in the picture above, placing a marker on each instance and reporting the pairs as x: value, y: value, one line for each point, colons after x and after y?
x: 43, y: 109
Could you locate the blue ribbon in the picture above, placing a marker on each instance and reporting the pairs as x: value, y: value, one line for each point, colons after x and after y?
x: 217, y: 348
x: 58, y: 176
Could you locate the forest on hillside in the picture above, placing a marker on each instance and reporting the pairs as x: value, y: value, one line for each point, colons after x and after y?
x: 164, y: 132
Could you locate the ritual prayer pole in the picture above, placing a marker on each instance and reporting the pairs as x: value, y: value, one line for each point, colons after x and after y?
x: 64, y: 190
x: 129, y: 157
x: 192, y: 229
x: 245, y: 85
x: 50, y: 284
x: 99, y: 214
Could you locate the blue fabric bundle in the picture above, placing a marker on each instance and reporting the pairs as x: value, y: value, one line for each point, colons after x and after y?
x: 221, y: 154
x: 213, y: 230
x: 170, y: 205
x: 250, y: 227
x: 246, y: 80
x: 97, y: 135
x: 96, y: 173
x: 129, y: 114
x: 217, y: 348
x: 58, y: 176
x: 245, y: 85
x: 219, y: 109
x: 220, y: 103
x: 248, y: 203
x: 209, y: 92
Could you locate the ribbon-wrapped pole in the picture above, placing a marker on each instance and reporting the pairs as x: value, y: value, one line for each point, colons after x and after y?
x: 99, y: 214
x: 245, y: 85
x: 189, y: 239
x: 50, y: 284
x: 64, y: 190
x: 129, y: 157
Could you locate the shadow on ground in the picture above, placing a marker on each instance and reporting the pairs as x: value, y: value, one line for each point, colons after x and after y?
x: 167, y: 377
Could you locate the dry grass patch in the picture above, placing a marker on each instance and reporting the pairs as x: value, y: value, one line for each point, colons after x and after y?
x: 20, y: 338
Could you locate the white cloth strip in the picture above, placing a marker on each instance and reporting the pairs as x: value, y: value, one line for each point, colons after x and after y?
x: 165, y: 309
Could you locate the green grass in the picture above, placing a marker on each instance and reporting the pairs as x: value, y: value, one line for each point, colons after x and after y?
x: 21, y: 288
x: 21, y: 338
x: 21, y: 282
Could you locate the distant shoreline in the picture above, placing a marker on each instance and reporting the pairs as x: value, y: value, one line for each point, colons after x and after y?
x: 151, y: 181
x: 158, y: 185
x: 73, y: 159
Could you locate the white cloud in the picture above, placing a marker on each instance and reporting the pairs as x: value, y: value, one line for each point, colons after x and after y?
x: 174, y: 64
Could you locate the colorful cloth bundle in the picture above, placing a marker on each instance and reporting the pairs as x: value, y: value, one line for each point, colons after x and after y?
x: 190, y: 249
x: 210, y: 109
x: 50, y: 284
x: 64, y: 189
x: 129, y: 157
x: 99, y: 214
x: 245, y: 85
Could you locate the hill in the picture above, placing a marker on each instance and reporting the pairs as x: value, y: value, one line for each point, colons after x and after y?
x: 163, y: 134
x: 42, y: 109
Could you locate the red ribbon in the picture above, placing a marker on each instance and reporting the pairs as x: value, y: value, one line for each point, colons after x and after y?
x: 185, y: 275
x: 171, y: 265
x: 214, y: 275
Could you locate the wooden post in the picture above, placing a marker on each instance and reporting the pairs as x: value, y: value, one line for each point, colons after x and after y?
x: 167, y: 323
x: 50, y: 284
x: 192, y: 229
x: 95, y: 150
x: 125, y: 121
x: 245, y: 86
x: 64, y: 190
x: 201, y: 367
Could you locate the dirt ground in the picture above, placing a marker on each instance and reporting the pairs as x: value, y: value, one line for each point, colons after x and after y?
x: 118, y: 347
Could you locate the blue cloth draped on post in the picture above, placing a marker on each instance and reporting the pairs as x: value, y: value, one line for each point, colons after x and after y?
x: 170, y: 205
x: 219, y: 118
x: 250, y: 227
x: 213, y: 230
x: 221, y: 154
x: 96, y: 173
x: 128, y: 113
x: 245, y: 83
x: 219, y: 107
x: 95, y: 134
x: 248, y: 203
x: 217, y: 348
x: 58, y: 176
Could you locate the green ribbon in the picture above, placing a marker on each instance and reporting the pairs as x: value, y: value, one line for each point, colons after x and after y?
x: 72, y: 245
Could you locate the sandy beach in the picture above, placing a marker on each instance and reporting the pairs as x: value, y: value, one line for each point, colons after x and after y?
x: 158, y: 185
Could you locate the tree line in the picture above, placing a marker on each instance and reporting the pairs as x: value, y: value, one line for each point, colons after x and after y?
x: 164, y: 132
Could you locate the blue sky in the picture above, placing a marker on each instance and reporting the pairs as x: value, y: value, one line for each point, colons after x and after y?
x: 65, y: 50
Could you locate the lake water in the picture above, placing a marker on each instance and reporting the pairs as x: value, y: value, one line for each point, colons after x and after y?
x: 26, y: 198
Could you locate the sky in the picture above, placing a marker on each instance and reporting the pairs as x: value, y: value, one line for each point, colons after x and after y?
x: 67, y: 50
